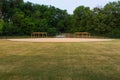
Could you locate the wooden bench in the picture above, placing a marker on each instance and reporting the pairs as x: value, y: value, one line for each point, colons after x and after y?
x: 38, y: 34
x: 81, y: 34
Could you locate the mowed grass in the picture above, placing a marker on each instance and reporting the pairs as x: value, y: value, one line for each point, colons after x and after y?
x: 60, y: 61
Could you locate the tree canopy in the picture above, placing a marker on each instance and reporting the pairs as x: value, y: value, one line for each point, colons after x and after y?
x: 22, y: 18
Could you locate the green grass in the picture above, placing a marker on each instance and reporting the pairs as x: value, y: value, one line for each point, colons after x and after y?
x: 60, y: 61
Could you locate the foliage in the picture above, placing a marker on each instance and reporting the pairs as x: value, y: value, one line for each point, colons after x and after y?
x: 20, y: 18
x: 82, y: 17
x: 1, y: 24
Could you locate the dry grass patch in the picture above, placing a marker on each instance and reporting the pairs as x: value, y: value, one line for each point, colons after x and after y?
x: 60, y: 61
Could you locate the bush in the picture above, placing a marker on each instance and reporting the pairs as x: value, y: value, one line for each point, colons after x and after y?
x: 51, y: 31
x: 115, y: 33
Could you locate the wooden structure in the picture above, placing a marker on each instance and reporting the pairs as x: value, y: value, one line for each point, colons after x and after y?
x: 38, y: 34
x: 81, y: 34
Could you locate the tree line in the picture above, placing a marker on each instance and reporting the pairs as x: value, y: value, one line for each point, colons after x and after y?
x: 22, y: 18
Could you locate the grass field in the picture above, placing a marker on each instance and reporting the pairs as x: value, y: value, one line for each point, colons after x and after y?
x: 60, y: 61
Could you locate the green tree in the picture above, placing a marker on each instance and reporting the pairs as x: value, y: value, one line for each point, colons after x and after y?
x: 41, y: 25
x: 82, y: 17
x: 27, y: 26
x: 112, y: 10
x: 1, y: 25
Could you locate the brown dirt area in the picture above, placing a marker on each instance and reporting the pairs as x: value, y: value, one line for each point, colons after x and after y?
x: 60, y: 40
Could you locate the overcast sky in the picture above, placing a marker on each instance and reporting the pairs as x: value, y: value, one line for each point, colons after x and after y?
x: 70, y: 5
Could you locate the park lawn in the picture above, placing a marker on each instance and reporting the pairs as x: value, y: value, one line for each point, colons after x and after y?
x: 60, y: 61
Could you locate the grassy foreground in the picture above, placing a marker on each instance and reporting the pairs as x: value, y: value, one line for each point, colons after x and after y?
x: 59, y: 61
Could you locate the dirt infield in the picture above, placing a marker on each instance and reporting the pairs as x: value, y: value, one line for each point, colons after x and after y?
x: 59, y: 40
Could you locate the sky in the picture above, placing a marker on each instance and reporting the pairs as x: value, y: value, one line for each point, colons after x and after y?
x: 70, y: 5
